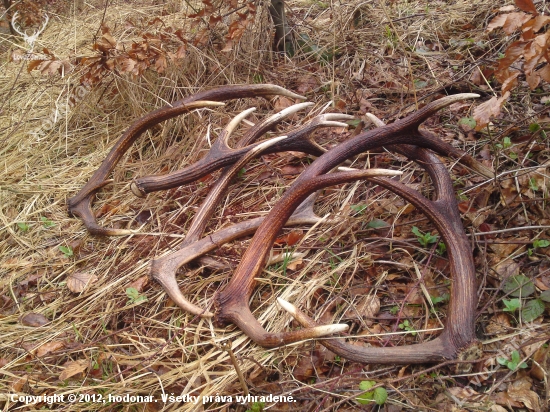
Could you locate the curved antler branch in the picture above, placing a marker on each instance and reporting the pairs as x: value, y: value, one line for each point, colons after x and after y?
x: 81, y: 204
x: 458, y: 336
x: 232, y: 302
x: 163, y: 269
x: 220, y: 156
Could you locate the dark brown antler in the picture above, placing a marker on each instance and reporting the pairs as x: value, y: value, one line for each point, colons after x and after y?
x: 163, y: 270
x: 232, y: 302
x: 220, y: 155
x: 209, y: 204
x: 458, y: 336
x: 81, y: 204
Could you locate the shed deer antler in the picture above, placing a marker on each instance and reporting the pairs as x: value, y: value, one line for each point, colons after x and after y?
x: 81, y: 204
x: 232, y: 302
x: 458, y: 337
x: 164, y: 269
x: 221, y: 155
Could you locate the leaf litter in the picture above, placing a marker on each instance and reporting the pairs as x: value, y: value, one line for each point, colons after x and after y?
x: 85, y: 336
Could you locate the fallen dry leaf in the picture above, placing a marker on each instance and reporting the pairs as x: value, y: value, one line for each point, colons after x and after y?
x: 540, y: 364
x: 79, y: 281
x: 139, y: 283
x: 34, y: 319
x: 290, y: 238
x: 506, y: 268
x: 282, y: 103
x: 509, y: 22
x: 491, y: 108
x: 294, y: 264
x: 290, y: 170
x: 49, y: 347
x: 526, y: 5
x: 73, y: 368
x: 366, y: 307
x: 500, y: 323
x: 519, y: 392
x: 18, y: 384
x: 502, y: 398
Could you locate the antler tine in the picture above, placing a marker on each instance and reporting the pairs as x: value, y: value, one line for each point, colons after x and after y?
x: 432, y: 351
x: 164, y: 269
x: 81, y: 204
x: 221, y: 157
x: 258, y: 130
x: 231, y: 303
x: 208, y: 206
x: 46, y: 20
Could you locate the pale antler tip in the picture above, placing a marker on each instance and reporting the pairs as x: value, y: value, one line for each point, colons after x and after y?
x: 287, y: 306
x: 330, y: 329
x: 334, y: 124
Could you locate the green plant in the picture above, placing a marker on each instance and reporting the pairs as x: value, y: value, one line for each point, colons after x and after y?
x: 424, y: 238
x: 538, y: 243
x: 134, y: 297
x: 256, y: 407
x: 377, y: 224
x: 46, y: 222
x: 511, y: 305
x: 521, y: 287
x: 467, y: 123
x: 406, y: 325
x: 359, y: 209
x: 541, y: 243
x: 533, y: 184
x: 66, y: 250
x: 378, y: 395
x: 532, y: 310
x: 23, y: 227
x: 518, y: 286
x: 514, y: 362
x: 440, y: 299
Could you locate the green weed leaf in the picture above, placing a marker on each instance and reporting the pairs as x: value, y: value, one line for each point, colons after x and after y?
x: 380, y: 396
x: 532, y: 310
x: 377, y: 224
x: 545, y: 295
x: 66, y: 250
x: 511, y: 305
x: 23, y: 227
x: 134, y: 297
x: 47, y: 222
x: 541, y: 243
x: 519, y: 285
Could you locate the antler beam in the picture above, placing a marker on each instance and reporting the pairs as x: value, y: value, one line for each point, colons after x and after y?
x: 232, y: 302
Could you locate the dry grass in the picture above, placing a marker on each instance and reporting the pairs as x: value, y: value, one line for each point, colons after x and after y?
x: 150, y: 347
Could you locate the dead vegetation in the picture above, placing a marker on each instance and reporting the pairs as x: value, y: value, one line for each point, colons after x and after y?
x: 78, y: 314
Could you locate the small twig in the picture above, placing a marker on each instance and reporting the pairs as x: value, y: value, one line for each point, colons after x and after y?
x: 227, y: 347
